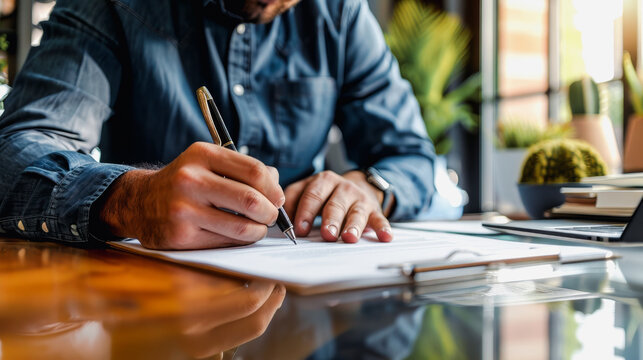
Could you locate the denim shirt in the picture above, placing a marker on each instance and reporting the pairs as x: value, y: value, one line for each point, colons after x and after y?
x: 121, y: 75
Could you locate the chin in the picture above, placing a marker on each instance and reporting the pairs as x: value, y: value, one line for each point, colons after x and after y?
x: 262, y: 17
x: 269, y: 10
x: 265, y: 18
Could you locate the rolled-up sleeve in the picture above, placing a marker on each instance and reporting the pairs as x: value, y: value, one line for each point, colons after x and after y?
x: 380, y: 117
x: 53, y: 119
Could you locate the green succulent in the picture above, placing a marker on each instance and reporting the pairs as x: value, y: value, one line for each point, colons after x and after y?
x: 561, y: 161
x: 634, y: 83
x: 513, y: 134
x: 583, y: 97
x: 4, y: 63
x: 431, y: 47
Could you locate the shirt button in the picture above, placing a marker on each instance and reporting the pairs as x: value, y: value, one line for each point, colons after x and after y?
x: 44, y: 227
x: 244, y: 150
x: 74, y: 229
x: 238, y: 90
x: 241, y: 29
x: 21, y: 226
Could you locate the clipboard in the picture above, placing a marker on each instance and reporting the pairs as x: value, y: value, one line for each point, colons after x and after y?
x: 315, y: 266
x: 501, y: 267
x: 534, y: 256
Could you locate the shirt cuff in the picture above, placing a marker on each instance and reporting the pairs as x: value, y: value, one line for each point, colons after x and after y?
x: 74, y: 196
x: 412, y: 182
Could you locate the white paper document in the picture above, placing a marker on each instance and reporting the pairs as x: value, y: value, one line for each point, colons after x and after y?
x: 314, y: 266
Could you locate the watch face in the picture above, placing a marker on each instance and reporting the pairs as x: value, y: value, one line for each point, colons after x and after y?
x: 378, y: 181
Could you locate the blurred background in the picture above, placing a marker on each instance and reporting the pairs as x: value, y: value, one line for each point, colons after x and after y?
x: 496, y: 79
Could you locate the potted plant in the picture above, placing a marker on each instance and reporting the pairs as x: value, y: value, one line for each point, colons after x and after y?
x: 4, y: 87
x: 589, y: 125
x: 633, y: 154
x: 431, y: 47
x: 551, y: 164
x: 514, y: 136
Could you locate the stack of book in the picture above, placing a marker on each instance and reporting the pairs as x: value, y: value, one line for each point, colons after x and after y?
x: 615, y: 196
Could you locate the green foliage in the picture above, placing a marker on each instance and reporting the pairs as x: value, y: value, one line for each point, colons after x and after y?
x: 431, y: 47
x: 570, y: 326
x: 583, y: 97
x: 561, y: 161
x: 437, y: 338
x: 522, y: 134
x: 4, y: 63
x: 634, y: 83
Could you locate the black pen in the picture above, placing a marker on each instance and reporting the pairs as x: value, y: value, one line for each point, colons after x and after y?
x: 221, y: 136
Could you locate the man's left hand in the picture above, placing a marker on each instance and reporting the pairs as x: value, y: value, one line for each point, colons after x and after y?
x: 348, y: 204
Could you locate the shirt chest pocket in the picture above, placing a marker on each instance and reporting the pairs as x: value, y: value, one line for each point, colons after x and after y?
x: 304, y: 110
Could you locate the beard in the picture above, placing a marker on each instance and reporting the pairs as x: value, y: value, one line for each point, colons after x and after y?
x: 258, y: 11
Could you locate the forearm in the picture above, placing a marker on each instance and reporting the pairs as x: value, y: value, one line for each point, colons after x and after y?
x: 375, y: 97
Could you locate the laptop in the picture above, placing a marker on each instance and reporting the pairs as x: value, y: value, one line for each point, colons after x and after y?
x: 579, y: 230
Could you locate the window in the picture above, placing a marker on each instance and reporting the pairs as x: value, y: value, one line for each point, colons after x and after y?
x: 40, y: 12
x: 532, y: 50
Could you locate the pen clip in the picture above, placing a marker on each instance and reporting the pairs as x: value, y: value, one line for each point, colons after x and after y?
x: 202, y: 95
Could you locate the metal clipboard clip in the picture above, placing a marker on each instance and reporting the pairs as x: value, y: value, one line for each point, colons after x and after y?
x: 510, y: 264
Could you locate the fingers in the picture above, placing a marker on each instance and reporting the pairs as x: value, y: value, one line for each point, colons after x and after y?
x: 312, y: 199
x: 241, y: 168
x: 193, y: 240
x: 242, y: 329
x: 333, y: 215
x: 254, y: 325
x: 182, y: 202
x: 346, y: 213
x: 274, y: 173
x: 237, y: 230
x: 355, y: 223
x: 293, y: 192
x: 224, y: 179
x: 235, y: 306
x: 349, y: 210
x: 382, y: 227
x: 228, y: 194
x: 347, y: 205
x: 198, y: 226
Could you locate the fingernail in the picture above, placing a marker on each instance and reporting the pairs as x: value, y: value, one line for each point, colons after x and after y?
x: 304, y: 225
x: 352, y: 231
x: 385, y: 234
x: 332, y: 229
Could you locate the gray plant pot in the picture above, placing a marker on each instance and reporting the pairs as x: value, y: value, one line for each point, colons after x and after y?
x: 506, y: 165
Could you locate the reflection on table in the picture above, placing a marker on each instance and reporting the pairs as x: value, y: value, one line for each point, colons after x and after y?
x: 64, y: 302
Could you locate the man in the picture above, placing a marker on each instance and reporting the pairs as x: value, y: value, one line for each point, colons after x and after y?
x: 122, y: 75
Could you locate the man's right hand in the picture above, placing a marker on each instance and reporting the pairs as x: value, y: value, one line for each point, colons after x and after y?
x: 179, y: 206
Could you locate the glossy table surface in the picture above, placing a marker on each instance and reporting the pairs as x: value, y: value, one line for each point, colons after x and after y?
x: 60, y: 302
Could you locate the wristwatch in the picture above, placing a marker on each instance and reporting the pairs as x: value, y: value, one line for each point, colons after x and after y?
x: 375, y: 178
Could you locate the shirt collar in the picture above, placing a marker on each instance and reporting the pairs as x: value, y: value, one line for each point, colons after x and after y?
x: 221, y: 7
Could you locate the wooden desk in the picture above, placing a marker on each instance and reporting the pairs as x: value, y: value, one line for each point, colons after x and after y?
x: 59, y: 302
x: 68, y: 303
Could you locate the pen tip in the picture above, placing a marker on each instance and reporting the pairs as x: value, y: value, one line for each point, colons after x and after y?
x: 290, y: 233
